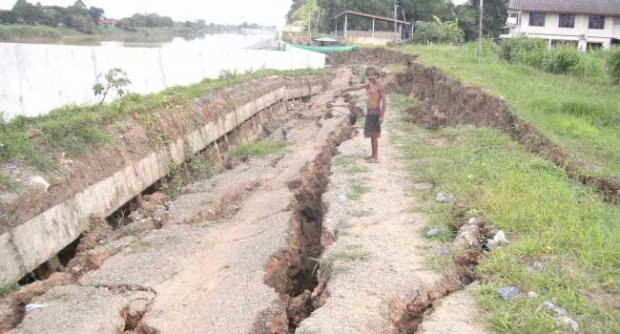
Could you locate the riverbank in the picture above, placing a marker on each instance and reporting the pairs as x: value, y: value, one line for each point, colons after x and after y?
x: 63, y: 35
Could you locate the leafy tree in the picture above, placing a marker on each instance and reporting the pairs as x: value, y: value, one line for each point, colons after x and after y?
x: 306, y: 14
x: 96, y: 14
x: 26, y: 12
x: 115, y: 80
x: 126, y: 24
x: 437, y: 31
x: 495, y: 14
x: 8, y: 17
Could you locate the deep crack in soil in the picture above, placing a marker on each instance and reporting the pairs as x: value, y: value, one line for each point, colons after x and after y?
x: 296, y: 272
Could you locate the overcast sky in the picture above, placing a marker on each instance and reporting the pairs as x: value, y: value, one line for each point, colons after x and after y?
x: 267, y: 12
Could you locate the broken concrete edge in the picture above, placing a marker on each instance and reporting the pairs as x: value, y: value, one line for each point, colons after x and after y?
x: 23, y: 248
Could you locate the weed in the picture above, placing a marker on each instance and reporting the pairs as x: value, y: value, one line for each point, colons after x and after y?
x: 7, y: 184
x: 259, y: 149
x: 357, y: 188
x: 350, y: 165
x: 6, y: 290
x: 363, y: 213
x: 350, y: 255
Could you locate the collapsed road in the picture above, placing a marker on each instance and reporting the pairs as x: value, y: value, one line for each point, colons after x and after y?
x: 308, y: 240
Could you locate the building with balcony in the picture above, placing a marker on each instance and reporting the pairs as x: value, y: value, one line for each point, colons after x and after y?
x: 583, y: 23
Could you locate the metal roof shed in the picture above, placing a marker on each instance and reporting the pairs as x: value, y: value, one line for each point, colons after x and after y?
x: 374, y: 18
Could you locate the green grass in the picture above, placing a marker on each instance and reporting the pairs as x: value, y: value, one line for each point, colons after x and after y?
x: 546, y: 216
x: 14, y: 33
x: 259, y: 149
x: 77, y: 129
x: 582, y: 115
x: 357, y: 188
x: 6, y: 290
x: 349, y: 164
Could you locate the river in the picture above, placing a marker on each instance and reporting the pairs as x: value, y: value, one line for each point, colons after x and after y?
x: 36, y: 78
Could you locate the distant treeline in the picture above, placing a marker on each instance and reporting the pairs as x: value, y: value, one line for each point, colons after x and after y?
x: 85, y: 20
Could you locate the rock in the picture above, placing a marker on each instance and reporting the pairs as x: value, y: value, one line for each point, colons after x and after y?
x: 35, y: 306
x: 342, y: 198
x: 138, y: 307
x: 432, y: 232
x: 538, y: 266
x: 441, y: 198
x: 570, y: 323
x: 532, y: 295
x: 490, y: 244
x: 472, y: 221
x: 500, y: 238
x: 550, y: 306
x: 509, y: 292
x: 39, y: 181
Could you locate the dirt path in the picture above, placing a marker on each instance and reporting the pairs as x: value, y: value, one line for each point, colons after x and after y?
x: 377, y: 264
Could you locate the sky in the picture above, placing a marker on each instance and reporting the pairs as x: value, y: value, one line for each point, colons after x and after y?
x: 266, y: 12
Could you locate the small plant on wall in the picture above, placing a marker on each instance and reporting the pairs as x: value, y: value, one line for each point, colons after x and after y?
x: 115, y: 80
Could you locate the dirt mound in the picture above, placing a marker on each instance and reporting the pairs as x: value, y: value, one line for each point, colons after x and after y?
x: 374, y: 57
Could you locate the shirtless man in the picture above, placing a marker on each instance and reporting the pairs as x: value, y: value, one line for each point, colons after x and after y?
x: 377, y: 102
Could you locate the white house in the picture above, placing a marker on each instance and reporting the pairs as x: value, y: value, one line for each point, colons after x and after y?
x: 584, y: 23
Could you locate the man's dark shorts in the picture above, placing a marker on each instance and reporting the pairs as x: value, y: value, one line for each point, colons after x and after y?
x: 372, y: 127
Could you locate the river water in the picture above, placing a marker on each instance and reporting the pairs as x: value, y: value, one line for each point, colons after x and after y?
x: 36, y: 78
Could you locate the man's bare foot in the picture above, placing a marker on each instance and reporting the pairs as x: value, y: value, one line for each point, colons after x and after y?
x: 372, y: 160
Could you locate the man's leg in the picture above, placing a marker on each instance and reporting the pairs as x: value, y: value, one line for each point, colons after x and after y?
x: 374, y: 143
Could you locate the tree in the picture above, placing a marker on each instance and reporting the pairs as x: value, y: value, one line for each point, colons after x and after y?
x: 8, y: 17
x: 126, y: 24
x: 306, y: 14
x: 115, y: 80
x: 495, y: 14
x: 26, y: 12
x: 437, y: 31
x: 96, y: 14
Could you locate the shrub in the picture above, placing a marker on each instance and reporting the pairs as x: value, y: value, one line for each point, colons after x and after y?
x: 447, y: 32
x: 523, y: 50
x: 561, y: 60
x: 613, y: 65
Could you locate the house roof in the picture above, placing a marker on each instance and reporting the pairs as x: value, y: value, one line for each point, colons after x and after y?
x: 596, y: 7
x: 377, y: 17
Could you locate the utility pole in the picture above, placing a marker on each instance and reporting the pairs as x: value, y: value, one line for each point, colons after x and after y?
x: 480, y: 31
x: 395, y: 16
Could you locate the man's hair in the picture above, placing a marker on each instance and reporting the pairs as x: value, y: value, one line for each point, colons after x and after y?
x: 373, y: 70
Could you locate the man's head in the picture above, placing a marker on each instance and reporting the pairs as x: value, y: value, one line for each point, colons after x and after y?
x: 372, y: 74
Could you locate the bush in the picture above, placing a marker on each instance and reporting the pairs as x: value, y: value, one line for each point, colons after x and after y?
x: 523, y: 50
x: 561, y: 60
x: 438, y: 32
x: 613, y: 65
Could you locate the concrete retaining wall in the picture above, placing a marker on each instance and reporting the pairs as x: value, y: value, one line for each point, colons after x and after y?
x: 25, y: 247
x: 39, y: 78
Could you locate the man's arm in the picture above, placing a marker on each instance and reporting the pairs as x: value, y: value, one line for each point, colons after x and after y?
x: 355, y: 87
x: 383, y: 104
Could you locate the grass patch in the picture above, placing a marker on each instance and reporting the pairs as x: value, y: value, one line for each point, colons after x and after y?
x: 14, y: 33
x: 349, y: 164
x: 77, y: 129
x: 259, y: 149
x: 401, y: 102
x: 7, y: 184
x: 6, y: 290
x: 546, y: 216
x: 580, y: 114
x: 357, y: 188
